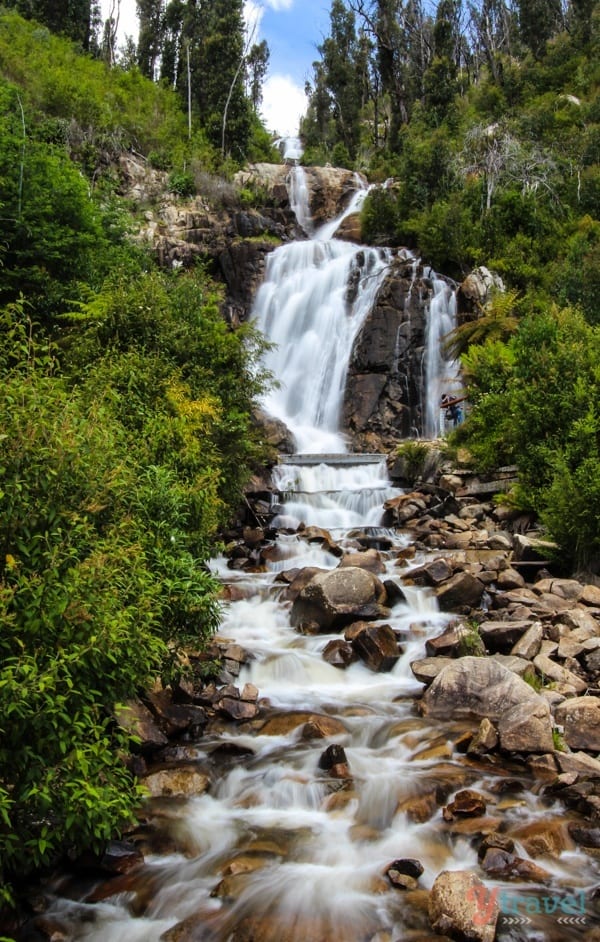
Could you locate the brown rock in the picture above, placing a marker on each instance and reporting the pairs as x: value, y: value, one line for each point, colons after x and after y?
x: 427, y: 669
x: 369, y: 559
x: 462, y: 907
x: 317, y: 725
x: 580, y: 718
x: 339, y: 654
x: 463, y: 590
x: 591, y: 596
x: 526, y: 728
x: 553, y: 671
x: 432, y: 573
x: 501, y: 636
x: 466, y: 804
x: 337, y: 598
x: 176, y: 783
x: 377, y: 647
x: 529, y: 643
x: 137, y: 720
x: 549, y: 837
x: 485, y: 739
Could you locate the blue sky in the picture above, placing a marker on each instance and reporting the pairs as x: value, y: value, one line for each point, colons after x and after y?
x: 293, y: 29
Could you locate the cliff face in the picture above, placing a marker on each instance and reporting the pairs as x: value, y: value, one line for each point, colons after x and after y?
x: 214, y: 227
x: 384, y: 390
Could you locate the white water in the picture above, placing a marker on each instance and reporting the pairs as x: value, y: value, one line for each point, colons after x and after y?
x: 442, y: 373
x: 303, y: 308
x: 302, y: 854
x: 299, y: 197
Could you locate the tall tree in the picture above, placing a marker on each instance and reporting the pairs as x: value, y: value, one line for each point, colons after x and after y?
x: 151, y: 34
x: 339, y: 55
x: 539, y: 20
x: 209, y: 37
x: 257, y: 63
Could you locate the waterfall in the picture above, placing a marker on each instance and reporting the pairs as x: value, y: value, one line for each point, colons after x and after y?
x: 305, y: 308
x: 441, y: 372
x: 298, y: 190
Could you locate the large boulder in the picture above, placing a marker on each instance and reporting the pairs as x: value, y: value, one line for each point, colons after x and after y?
x: 462, y: 907
x: 481, y: 687
x: 338, y: 598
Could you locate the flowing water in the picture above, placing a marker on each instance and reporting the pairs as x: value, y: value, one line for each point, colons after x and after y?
x: 278, y: 850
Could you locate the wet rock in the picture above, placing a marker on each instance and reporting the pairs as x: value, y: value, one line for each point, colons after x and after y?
x: 404, y: 873
x: 580, y: 718
x: 377, y: 647
x: 314, y: 534
x: 302, y: 578
x: 138, y: 722
x: 547, y: 838
x: 500, y: 863
x: 497, y: 841
x: 463, y: 590
x: 176, y: 783
x: 419, y: 808
x: 337, y: 598
x: 369, y: 559
x: 462, y: 907
x: 481, y: 687
x: 120, y: 857
x: 466, y: 804
x: 339, y: 654
x: 316, y: 725
x: 394, y: 592
x: 432, y: 574
x: 334, y: 762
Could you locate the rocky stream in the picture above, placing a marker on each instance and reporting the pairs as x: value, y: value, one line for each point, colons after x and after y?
x: 395, y: 736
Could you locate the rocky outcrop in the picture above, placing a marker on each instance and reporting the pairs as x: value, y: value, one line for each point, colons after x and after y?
x: 382, y: 401
x: 329, y: 188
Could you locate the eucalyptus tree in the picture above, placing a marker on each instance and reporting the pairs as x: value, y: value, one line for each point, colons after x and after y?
x: 204, y: 51
x: 151, y: 35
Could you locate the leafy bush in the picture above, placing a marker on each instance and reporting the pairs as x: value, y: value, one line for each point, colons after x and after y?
x: 182, y: 183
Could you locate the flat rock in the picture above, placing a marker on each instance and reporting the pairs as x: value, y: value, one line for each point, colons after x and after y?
x: 181, y: 783
x: 427, y: 669
x: 580, y: 718
x: 321, y: 725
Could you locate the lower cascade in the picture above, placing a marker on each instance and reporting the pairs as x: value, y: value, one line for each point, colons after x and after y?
x: 319, y: 807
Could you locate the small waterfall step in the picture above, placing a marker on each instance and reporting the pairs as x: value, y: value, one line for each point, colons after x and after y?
x: 342, y: 460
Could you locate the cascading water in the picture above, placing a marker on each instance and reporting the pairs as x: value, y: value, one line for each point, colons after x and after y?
x: 278, y: 850
x: 298, y: 191
x: 304, y: 308
x: 441, y: 371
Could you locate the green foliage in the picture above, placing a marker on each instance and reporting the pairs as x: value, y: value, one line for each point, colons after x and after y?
x: 117, y: 469
x: 413, y: 458
x: 182, y: 183
x: 535, y: 402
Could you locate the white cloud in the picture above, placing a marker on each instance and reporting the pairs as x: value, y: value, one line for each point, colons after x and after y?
x: 284, y: 103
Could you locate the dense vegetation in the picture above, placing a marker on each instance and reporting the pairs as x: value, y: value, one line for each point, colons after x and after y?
x: 125, y: 401
x: 484, y: 118
x: 125, y: 436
